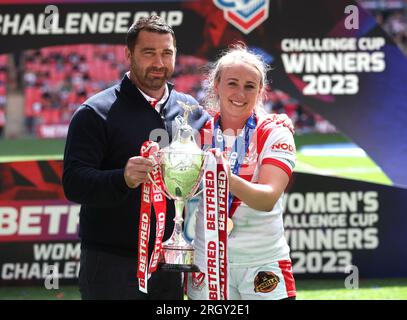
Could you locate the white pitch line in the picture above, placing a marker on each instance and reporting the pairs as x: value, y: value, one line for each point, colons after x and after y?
x: 306, y: 167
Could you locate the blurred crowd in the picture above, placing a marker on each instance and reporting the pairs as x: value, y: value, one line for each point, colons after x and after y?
x: 391, y: 15
x: 58, y: 79
x: 395, y: 24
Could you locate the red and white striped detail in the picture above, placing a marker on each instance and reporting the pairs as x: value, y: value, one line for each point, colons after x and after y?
x: 287, y: 271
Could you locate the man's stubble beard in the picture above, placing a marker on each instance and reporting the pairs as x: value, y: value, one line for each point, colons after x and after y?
x: 154, y: 83
x: 149, y: 82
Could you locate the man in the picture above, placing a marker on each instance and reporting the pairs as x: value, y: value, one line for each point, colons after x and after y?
x: 103, y: 169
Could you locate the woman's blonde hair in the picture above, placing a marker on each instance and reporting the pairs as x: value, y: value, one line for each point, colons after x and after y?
x: 236, y: 53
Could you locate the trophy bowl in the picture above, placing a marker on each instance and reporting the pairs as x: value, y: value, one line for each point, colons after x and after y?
x: 181, y: 172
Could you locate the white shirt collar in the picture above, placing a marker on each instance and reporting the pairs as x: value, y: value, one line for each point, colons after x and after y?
x: 149, y: 99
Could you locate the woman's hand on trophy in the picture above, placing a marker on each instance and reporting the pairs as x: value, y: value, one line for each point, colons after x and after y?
x: 136, y: 171
x: 226, y: 163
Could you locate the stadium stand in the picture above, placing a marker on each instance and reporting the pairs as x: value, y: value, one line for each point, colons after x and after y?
x: 58, y: 79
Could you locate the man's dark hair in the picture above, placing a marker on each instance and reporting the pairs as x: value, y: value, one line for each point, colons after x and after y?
x: 151, y: 24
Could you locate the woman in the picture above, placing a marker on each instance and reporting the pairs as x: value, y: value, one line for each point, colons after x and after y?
x: 259, y: 266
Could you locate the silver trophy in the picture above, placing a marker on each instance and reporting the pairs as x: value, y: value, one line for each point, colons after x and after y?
x: 182, y: 166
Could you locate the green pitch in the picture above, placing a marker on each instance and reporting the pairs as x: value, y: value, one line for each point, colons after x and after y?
x: 359, y: 168
x: 352, y: 168
x: 30, y: 149
x: 372, y: 289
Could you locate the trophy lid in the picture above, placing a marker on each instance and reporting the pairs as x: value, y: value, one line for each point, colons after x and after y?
x: 184, y: 138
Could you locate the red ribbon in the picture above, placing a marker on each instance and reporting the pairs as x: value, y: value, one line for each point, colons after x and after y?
x: 150, y: 194
x: 223, y: 195
x: 216, y: 194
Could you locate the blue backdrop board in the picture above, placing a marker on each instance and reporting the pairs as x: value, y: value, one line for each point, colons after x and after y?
x: 332, y: 223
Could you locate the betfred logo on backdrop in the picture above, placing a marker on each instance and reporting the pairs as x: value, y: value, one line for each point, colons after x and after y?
x: 246, y: 15
x: 44, y: 220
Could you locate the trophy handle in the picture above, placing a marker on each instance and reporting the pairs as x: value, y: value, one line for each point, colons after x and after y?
x: 197, y: 194
x: 153, y: 182
x: 206, y: 155
x: 158, y: 188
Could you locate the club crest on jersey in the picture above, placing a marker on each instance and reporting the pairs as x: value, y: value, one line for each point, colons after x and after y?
x: 198, y: 280
x: 246, y: 15
x: 265, y: 281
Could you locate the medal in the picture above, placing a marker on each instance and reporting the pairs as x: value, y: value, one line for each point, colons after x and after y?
x: 229, y: 226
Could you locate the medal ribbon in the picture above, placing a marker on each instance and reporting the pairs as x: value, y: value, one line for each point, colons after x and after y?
x: 240, y: 146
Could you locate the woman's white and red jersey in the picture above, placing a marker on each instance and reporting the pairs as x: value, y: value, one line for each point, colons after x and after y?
x: 258, y: 236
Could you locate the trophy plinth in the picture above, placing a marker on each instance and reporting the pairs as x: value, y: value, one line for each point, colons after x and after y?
x: 181, y: 166
x: 178, y: 256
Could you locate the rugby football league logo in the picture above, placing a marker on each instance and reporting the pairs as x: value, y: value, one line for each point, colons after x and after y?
x: 246, y: 15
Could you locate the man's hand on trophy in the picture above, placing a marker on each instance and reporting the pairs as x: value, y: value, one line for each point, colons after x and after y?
x: 136, y: 170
